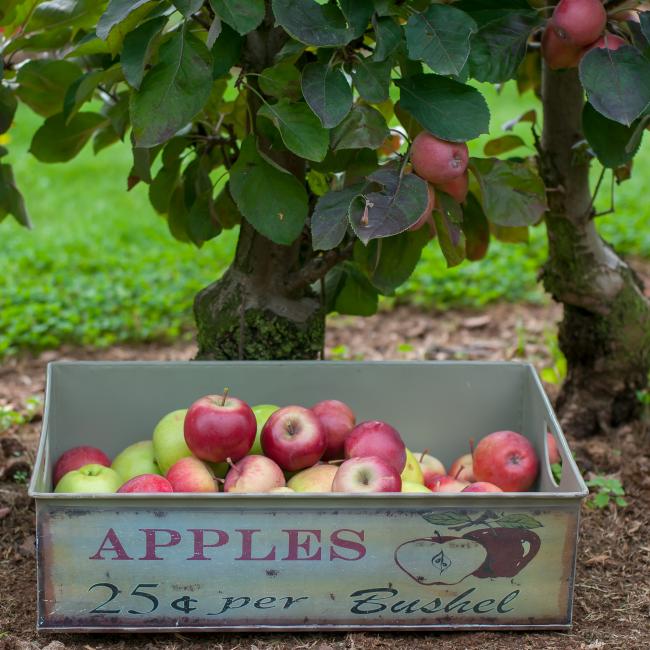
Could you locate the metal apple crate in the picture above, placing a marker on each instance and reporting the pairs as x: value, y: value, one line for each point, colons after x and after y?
x: 263, y: 562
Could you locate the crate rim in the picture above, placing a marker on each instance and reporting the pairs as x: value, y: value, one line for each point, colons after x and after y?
x: 467, y: 499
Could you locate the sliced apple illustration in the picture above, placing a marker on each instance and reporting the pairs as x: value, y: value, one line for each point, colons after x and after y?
x: 509, y: 550
x: 440, y: 560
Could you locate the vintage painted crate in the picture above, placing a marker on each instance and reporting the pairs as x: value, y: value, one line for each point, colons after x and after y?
x: 302, y: 562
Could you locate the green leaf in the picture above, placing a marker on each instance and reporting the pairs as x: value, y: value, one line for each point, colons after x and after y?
x: 59, y: 141
x: 502, y: 145
x: 274, y: 202
x: 355, y: 296
x: 202, y: 222
x: 188, y: 7
x: 515, y: 520
x: 410, y: 124
x: 226, y: 209
x: 329, y: 221
x: 242, y: 15
x: 177, y: 215
x: 137, y: 49
x: 372, y: 79
x: 363, y: 127
x: 617, y: 82
x: 447, y: 518
x: 281, y: 81
x: 486, y: 11
x: 440, y: 37
x: 121, y: 17
x: 499, y: 47
x: 357, y: 14
x: 300, y: 129
x: 388, y: 37
x: 516, y: 235
x: 476, y: 228
x: 226, y: 51
x: 327, y: 92
x: 448, y: 218
x: 42, y: 84
x: 55, y: 14
x: 83, y: 89
x: 601, y: 500
x: 11, y: 200
x: 8, y: 106
x: 89, y: 44
x: 173, y: 91
x: 620, y: 501
x: 614, y: 144
x: 163, y: 185
x: 40, y: 42
x: 446, y: 108
x: 398, y: 257
x: 513, y: 194
x: 312, y: 23
x: 356, y: 163
x: 393, y: 209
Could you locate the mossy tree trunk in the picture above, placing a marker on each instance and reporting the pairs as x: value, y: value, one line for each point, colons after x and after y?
x: 605, y: 332
x: 263, y: 306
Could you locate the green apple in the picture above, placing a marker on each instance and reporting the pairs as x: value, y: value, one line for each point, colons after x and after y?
x: 262, y: 413
x: 92, y: 479
x: 412, y: 472
x: 135, y: 460
x: 409, y: 486
x: 317, y: 478
x: 169, y: 440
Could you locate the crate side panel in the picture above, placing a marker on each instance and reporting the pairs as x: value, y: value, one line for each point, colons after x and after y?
x: 222, y: 568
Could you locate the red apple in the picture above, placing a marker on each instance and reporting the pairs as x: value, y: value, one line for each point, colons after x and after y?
x: 337, y: 419
x: 426, y: 215
x: 506, y: 459
x: 462, y: 468
x: 553, y: 453
x: 218, y: 427
x: 609, y: 42
x: 294, y: 438
x: 447, y: 484
x: 482, y: 486
x: 254, y: 474
x: 431, y: 466
x: 457, y: 187
x: 189, y: 474
x: 377, y: 438
x: 78, y: 457
x: 579, y: 22
x: 368, y: 474
x: 436, y: 160
x: 559, y: 54
x: 146, y: 483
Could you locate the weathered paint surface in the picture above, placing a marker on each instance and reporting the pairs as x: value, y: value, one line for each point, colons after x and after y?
x: 215, y: 568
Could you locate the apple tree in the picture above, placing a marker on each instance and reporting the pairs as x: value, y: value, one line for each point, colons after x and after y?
x: 324, y: 131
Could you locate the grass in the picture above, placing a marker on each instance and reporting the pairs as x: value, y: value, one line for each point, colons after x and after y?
x: 101, y: 267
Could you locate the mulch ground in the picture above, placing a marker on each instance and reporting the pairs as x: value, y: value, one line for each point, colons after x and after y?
x: 612, y: 592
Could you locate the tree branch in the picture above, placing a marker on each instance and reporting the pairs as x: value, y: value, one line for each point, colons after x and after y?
x: 318, y: 267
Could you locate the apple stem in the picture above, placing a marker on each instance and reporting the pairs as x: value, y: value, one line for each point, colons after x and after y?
x: 229, y: 461
x: 336, y: 462
x: 423, y: 454
x: 471, y: 447
x: 225, y: 396
x: 460, y: 469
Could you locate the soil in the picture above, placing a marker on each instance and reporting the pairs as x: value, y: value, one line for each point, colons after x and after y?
x: 612, y: 592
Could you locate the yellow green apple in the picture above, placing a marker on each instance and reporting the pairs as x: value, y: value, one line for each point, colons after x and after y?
x: 169, y: 443
x: 91, y: 479
x: 412, y: 472
x: 411, y: 487
x: 317, y: 478
x: 135, y: 460
x: 262, y: 413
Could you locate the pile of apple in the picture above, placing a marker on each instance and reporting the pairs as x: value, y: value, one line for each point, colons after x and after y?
x: 221, y: 442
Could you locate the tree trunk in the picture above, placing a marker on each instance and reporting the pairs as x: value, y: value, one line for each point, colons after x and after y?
x: 256, y: 310
x: 605, y: 332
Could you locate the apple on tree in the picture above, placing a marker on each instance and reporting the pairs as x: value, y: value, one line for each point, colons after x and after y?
x: 436, y: 160
x: 91, y: 479
x: 294, y: 438
x: 218, y: 427
x: 367, y: 474
x: 78, y: 457
x: 135, y: 460
x: 146, y: 483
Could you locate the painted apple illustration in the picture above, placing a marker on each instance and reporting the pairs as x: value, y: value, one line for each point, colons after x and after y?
x: 508, y: 550
x: 440, y: 560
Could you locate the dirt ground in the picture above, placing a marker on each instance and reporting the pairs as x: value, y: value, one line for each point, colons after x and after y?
x: 612, y: 592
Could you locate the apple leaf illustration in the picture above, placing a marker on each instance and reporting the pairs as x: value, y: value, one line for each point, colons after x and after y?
x: 449, y: 518
x: 517, y: 521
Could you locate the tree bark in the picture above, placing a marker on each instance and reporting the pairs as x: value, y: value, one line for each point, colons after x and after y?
x: 256, y: 310
x: 605, y: 332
